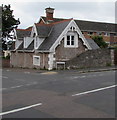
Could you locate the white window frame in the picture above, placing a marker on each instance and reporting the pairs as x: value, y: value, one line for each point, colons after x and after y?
x: 75, y: 40
x: 34, y: 62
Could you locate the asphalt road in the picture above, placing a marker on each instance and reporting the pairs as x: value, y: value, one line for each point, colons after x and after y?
x: 63, y: 94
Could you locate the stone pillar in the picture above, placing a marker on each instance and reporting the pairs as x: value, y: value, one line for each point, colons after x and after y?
x: 112, y: 57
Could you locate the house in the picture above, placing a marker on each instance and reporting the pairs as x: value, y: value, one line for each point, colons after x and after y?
x: 52, y: 41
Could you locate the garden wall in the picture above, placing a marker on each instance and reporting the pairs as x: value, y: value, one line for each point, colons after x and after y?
x: 92, y: 58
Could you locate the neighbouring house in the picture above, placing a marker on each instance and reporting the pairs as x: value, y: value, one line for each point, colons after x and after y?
x: 53, y: 41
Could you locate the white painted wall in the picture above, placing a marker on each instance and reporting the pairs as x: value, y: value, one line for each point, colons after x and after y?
x: 27, y: 41
x: 38, y: 41
x: 17, y: 43
x: 34, y: 30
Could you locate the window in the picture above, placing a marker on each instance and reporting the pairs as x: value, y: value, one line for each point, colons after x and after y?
x: 99, y: 33
x: 72, y: 28
x: 70, y: 40
x: 107, y: 34
x: 36, y: 60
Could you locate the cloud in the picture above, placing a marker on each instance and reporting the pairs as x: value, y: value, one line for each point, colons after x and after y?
x: 30, y: 12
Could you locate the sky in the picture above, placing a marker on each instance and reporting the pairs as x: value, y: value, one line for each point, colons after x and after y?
x: 29, y: 11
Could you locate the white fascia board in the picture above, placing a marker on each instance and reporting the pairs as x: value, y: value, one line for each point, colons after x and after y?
x: 72, y: 23
x: 15, y: 33
x: 42, y: 19
x: 27, y: 41
x: 34, y: 30
x: 57, y: 42
x: 18, y: 45
x: 82, y: 36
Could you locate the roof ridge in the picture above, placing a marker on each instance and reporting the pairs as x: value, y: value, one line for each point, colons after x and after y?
x: 64, y: 20
x: 95, y: 22
x: 28, y: 29
x: 86, y: 21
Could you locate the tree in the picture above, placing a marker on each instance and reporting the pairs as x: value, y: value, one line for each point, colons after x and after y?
x: 100, y: 42
x: 9, y: 23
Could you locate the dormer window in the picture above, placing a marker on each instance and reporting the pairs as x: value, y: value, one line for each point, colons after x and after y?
x: 71, y: 40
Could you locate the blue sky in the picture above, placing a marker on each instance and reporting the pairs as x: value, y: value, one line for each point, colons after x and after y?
x: 30, y: 12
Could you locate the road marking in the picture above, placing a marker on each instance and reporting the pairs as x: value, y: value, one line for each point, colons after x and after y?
x: 16, y: 86
x: 4, y: 77
x: 27, y: 72
x: 20, y: 109
x: 95, y: 90
x: 79, y: 77
x: 31, y: 84
x: 49, y: 73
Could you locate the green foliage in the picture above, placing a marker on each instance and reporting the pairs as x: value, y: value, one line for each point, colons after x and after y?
x: 100, y: 42
x: 8, y: 24
x: 8, y: 20
x: 108, y: 64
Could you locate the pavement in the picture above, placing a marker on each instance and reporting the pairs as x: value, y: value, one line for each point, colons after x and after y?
x: 84, y: 93
x: 83, y: 70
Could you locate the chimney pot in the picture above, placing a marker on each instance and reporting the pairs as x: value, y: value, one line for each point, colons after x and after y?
x: 49, y: 14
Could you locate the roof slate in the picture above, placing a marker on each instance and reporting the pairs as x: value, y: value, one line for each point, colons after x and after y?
x: 92, y: 44
x: 95, y: 26
x: 23, y: 33
x: 56, y: 30
x: 91, y: 26
x: 43, y: 30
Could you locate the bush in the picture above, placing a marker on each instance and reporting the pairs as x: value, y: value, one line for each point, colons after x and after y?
x: 100, y: 42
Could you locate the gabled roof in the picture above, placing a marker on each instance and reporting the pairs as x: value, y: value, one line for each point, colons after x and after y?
x: 90, y: 26
x: 56, y: 29
x: 51, y: 32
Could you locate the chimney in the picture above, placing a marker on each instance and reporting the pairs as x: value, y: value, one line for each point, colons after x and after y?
x: 49, y: 14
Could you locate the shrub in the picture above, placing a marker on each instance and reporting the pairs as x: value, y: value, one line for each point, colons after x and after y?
x: 100, y: 42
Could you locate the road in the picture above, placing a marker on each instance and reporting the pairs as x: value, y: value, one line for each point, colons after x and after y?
x: 58, y: 94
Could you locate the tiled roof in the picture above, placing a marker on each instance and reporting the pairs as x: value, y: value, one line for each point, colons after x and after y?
x: 56, y: 29
x: 54, y: 19
x: 90, y: 26
x: 95, y: 26
x: 92, y: 44
x: 21, y: 33
x: 43, y: 30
